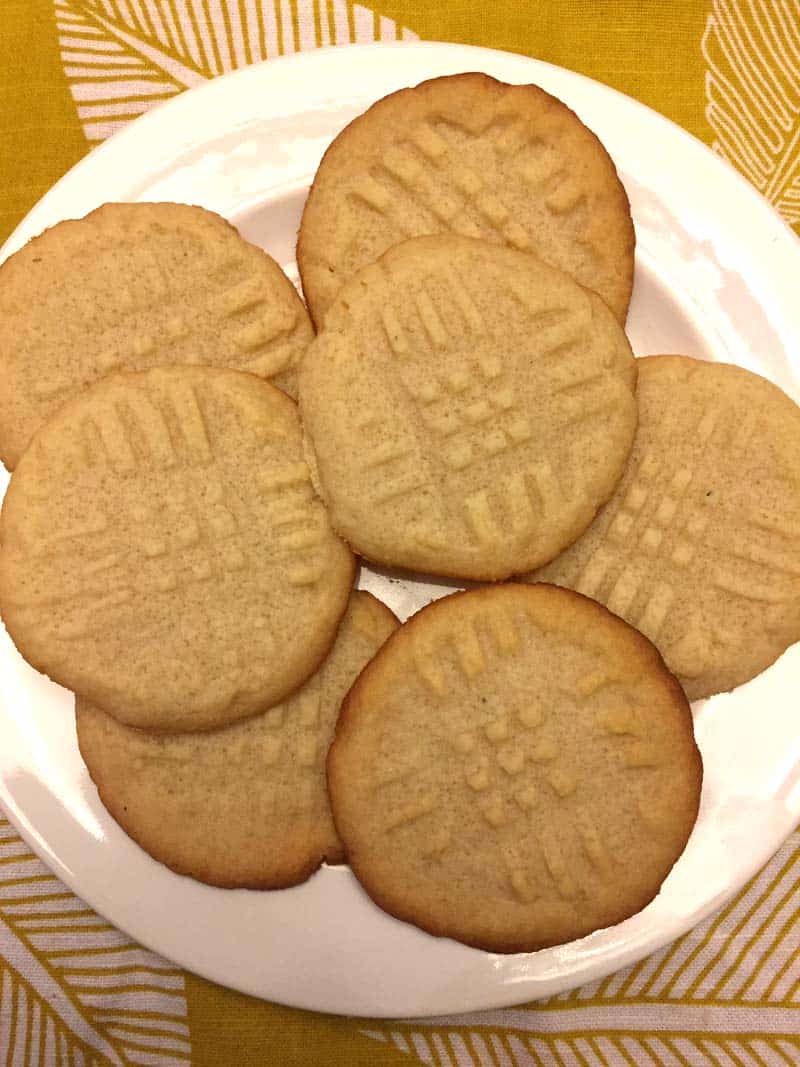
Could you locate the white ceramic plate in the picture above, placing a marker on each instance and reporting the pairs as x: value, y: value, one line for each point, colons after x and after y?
x: 716, y: 276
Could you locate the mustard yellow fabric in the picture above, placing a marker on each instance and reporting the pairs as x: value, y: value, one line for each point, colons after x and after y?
x: 74, y: 990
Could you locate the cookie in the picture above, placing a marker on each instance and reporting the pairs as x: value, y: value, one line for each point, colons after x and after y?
x: 247, y: 805
x: 162, y: 551
x: 467, y: 407
x: 699, y: 547
x: 515, y: 769
x: 133, y: 286
x: 469, y: 155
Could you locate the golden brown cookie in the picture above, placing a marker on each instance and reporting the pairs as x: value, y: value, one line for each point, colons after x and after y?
x: 162, y: 551
x: 469, y: 155
x: 467, y: 408
x: 247, y: 805
x: 133, y: 286
x: 699, y: 547
x: 515, y: 769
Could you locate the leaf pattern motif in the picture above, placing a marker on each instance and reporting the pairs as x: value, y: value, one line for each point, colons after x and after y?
x: 695, y: 1003
x: 121, y: 57
x: 73, y: 989
x: 752, y: 54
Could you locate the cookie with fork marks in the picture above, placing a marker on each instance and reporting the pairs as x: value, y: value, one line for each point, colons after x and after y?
x: 133, y: 286
x: 163, y: 552
x: 244, y: 806
x: 700, y: 545
x: 468, y: 155
x: 467, y: 408
x: 515, y: 769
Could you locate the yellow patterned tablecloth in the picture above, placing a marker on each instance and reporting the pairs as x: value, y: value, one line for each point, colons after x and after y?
x: 73, y: 990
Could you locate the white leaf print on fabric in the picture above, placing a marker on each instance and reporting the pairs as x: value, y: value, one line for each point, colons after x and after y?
x: 752, y: 53
x: 121, y: 57
x: 73, y: 989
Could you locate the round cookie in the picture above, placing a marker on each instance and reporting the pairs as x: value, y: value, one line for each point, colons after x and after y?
x: 247, y: 805
x: 467, y: 408
x: 162, y: 551
x: 515, y: 769
x: 133, y: 286
x: 699, y: 547
x: 469, y: 155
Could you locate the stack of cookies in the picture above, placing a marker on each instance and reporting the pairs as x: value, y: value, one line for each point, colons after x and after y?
x: 515, y: 765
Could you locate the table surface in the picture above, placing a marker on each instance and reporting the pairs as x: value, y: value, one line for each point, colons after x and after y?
x: 75, y: 990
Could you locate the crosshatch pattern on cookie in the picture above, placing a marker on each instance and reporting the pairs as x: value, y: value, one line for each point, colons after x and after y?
x: 510, y: 758
x: 202, y: 530
x: 156, y: 321
x: 449, y: 175
x: 195, y: 504
x: 669, y: 523
x: 285, y: 736
x: 286, y: 743
x: 476, y: 402
x: 503, y: 758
